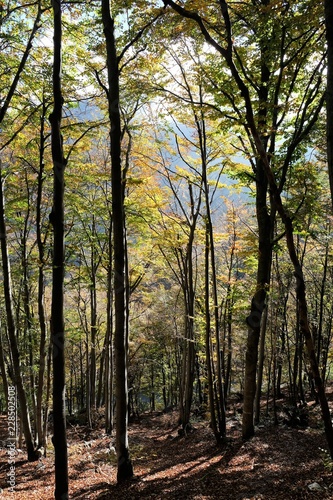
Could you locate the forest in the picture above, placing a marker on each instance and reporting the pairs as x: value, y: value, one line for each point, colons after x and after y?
x: 166, y: 195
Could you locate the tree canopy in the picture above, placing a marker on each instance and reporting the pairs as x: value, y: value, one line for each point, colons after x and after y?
x: 165, y: 212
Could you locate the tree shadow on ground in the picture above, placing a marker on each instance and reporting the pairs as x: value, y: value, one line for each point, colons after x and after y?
x: 269, y: 467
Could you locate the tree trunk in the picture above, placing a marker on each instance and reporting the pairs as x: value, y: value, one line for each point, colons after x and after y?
x: 82, y: 391
x: 209, y: 361
x: 48, y: 390
x: 125, y: 469
x: 152, y: 387
x: 220, y: 403
x: 100, y: 393
x: 88, y: 384
x: 320, y: 340
x: 260, y: 365
x: 211, y: 262
x: 93, y: 317
x: 12, y: 331
x: 329, y: 90
x: 188, y: 287
x: 265, y: 219
x: 57, y: 307
x: 28, y: 314
x: 41, y: 288
x: 227, y: 341
x: 109, y: 343
x: 187, y: 375
x: 301, y: 296
x: 258, y: 303
x: 3, y: 369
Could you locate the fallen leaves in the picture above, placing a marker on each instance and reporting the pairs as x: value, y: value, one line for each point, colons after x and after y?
x: 277, y: 463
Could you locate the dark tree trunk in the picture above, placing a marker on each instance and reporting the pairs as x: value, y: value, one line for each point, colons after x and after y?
x: 57, y: 308
x: 260, y: 364
x: 187, y: 280
x: 41, y: 288
x: 3, y: 369
x: 93, y: 316
x: 108, y: 389
x: 258, y: 303
x: 125, y: 469
x: 12, y: 331
x: 301, y: 296
x: 100, y: 394
x: 88, y: 384
x: 211, y: 274
x: 48, y: 388
x: 208, y: 349
x: 5, y: 259
x: 26, y: 306
x: 329, y: 89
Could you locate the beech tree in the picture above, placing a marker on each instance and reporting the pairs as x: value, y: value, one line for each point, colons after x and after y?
x: 120, y: 267
x: 262, y: 124
x: 12, y: 330
x: 57, y: 308
x: 161, y: 263
x: 9, y: 90
x: 329, y: 89
x: 125, y: 469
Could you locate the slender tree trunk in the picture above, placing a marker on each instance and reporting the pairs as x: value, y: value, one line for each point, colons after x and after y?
x: 220, y: 403
x: 82, y: 391
x: 320, y: 340
x: 164, y: 391
x: 57, y: 307
x: 109, y: 343
x: 3, y: 369
x: 125, y: 469
x: 227, y: 330
x: 260, y: 365
x: 12, y: 331
x: 185, y: 264
x: 27, y: 320
x: 41, y: 288
x: 100, y: 394
x: 209, y: 360
x: 93, y: 318
x: 48, y: 390
x: 187, y: 376
x: 88, y: 383
x: 219, y: 381
x: 326, y: 347
x: 329, y: 90
x: 301, y: 297
x: 152, y: 388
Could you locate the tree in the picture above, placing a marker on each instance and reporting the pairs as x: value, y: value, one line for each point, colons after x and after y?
x: 12, y: 328
x: 161, y: 264
x: 125, y: 469
x: 256, y: 89
x: 57, y: 308
x: 329, y: 90
x: 120, y: 267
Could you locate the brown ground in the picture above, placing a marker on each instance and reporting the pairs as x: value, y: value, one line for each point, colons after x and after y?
x: 278, y: 463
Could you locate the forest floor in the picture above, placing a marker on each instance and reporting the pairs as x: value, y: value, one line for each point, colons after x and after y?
x: 279, y: 463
